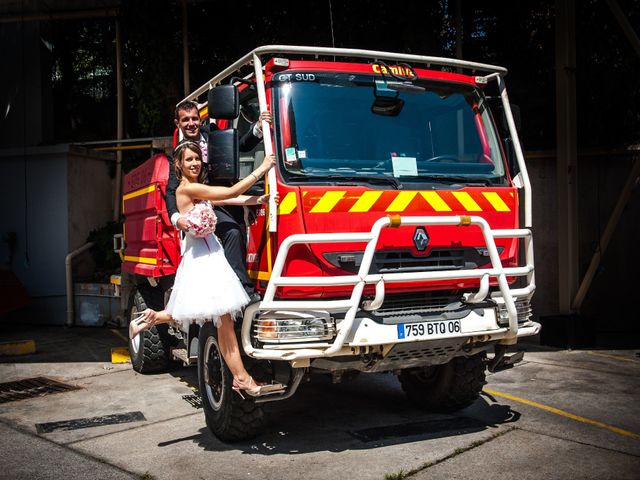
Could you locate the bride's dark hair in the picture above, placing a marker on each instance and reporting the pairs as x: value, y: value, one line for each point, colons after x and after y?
x: 178, y: 155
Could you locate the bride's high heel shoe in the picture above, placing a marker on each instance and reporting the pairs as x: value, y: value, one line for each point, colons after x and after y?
x: 138, y: 325
x: 250, y: 387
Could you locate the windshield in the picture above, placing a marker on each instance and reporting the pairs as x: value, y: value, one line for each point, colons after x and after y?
x: 361, y: 128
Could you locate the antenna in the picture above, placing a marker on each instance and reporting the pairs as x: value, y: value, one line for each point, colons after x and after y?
x: 333, y: 40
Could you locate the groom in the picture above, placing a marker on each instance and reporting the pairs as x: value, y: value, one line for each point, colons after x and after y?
x: 230, y: 228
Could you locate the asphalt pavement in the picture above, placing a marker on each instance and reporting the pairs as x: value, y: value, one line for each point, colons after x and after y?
x: 558, y: 414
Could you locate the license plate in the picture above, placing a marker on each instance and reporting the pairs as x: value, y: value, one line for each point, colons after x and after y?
x: 428, y: 329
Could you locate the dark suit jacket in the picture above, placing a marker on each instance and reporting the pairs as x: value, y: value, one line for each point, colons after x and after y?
x: 246, y: 143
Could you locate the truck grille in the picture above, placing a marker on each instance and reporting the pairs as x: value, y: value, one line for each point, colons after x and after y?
x: 418, y: 307
x: 425, y: 302
x: 398, y: 261
x: 405, y: 261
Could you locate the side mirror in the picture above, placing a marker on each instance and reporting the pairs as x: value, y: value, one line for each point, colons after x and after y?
x: 223, y: 102
x: 387, y: 106
x: 224, y: 155
x: 387, y: 101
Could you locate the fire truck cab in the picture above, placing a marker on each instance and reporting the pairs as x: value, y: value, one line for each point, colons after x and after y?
x: 401, y: 242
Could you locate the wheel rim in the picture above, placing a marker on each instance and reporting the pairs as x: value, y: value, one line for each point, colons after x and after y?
x: 135, y: 342
x: 213, y: 377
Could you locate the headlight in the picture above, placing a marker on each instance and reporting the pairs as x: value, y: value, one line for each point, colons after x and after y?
x: 523, y: 308
x: 279, y: 327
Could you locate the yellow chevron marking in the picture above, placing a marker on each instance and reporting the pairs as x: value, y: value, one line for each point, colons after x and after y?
x: 496, y: 201
x: 401, y: 201
x: 147, y: 260
x: 140, y: 191
x: 365, y: 202
x: 436, y: 201
x: 467, y: 202
x: 288, y: 204
x: 327, y: 202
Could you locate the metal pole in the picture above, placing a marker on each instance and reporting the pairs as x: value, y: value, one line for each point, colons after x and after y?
x: 185, y: 49
x: 68, y: 264
x: 120, y: 123
x: 623, y: 21
x: 268, y: 144
x: 567, y: 165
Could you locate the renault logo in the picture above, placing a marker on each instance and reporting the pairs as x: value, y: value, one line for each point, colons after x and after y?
x: 420, y: 239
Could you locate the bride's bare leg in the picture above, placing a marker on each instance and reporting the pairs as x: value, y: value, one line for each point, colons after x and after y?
x: 230, y: 349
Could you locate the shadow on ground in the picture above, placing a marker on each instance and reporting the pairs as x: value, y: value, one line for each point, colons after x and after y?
x: 366, y: 413
x: 58, y: 344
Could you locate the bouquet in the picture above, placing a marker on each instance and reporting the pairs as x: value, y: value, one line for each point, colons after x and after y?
x: 201, y: 220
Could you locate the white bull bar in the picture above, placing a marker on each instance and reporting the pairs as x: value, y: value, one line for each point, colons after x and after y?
x: 363, y: 278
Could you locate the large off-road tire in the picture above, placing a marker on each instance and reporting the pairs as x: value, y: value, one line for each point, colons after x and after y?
x: 445, y: 388
x: 150, y: 351
x: 228, y: 416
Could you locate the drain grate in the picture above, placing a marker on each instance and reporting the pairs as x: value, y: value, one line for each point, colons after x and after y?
x: 429, y: 428
x: 31, y: 388
x: 194, y: 400
x: 78, y: 423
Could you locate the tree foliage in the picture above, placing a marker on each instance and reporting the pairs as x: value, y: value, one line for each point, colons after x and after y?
x: 518, y: 35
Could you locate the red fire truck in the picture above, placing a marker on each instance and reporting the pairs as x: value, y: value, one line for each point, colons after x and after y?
x: 401, y: 242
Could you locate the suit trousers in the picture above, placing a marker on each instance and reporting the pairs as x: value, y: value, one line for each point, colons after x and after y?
x: 233, y: 237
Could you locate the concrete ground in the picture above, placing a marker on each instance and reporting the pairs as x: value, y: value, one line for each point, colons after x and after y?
x: 558, y: 414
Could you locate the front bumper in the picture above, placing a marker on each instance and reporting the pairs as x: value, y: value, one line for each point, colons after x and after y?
x: 357, y: 333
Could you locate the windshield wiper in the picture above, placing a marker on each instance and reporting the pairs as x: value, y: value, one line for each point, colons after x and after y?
x: 386, y: 180
x: 468, y: 180
x: 338, y: 179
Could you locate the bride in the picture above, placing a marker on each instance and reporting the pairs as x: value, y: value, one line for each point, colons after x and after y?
x: 206, y: 287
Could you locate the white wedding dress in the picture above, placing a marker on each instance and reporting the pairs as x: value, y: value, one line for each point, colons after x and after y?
x: 206, y: 287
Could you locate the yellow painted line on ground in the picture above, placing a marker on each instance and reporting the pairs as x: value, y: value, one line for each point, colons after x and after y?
x: 557, y: 411
x: 118, y: 334
x: 19, y: 347
x: 615, y: 357
x: 120, y: 355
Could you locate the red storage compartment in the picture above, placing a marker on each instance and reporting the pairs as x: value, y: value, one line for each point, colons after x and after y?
x: 152, y: 244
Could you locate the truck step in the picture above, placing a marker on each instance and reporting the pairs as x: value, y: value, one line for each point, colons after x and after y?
x: 181, y: 355
x: 508, y: 361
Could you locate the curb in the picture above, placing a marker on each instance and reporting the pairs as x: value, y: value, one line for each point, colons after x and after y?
x: 20, y: 347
